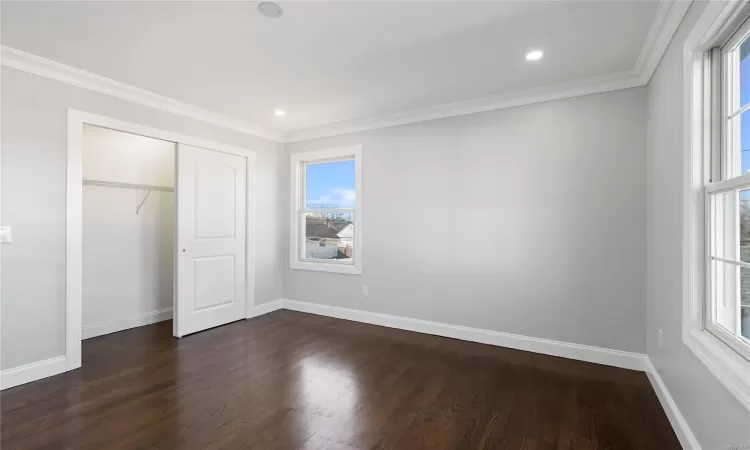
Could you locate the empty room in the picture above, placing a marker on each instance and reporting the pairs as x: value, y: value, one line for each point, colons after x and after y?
x: 375, y: 224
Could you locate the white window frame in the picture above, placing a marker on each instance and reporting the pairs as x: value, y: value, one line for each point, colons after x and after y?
x: 723, y: 269
x: 714, y: 28
x: 297, y: 208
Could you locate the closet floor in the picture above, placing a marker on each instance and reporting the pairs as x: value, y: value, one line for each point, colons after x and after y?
x: 289, y: 380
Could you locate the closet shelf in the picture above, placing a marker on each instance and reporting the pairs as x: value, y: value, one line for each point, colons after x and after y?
x: 116, y: 184
x: 145, y: 187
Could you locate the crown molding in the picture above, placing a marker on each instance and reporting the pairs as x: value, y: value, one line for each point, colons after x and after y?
x: 668, y: 18
x: 587, y: 86
x: 46, y: 68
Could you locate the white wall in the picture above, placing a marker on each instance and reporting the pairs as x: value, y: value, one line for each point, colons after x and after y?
x: 112, y: 155
x: 714, y: 416
x: 34, y: 122
x: 128, y: 258
x: 526, y: 220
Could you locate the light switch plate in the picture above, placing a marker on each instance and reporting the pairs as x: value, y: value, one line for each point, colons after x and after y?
x: 6, y: 235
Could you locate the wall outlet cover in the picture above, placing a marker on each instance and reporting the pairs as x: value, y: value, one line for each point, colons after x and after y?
x: 6, y: 235
x: 660, y: 338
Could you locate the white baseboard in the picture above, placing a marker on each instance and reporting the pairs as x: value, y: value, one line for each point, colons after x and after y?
x: 617, y: 358
x: 598, y: 355
x: 113, y: 326
x: 265, y: 308
x: 32, y: 372
x: 679, y: 424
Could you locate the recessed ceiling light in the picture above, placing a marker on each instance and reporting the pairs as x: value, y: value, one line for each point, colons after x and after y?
x: 534, y: 55
x: 269, y: 9
x: 279, y: 112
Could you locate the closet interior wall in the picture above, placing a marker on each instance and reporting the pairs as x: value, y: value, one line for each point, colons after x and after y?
x: 128, y: 230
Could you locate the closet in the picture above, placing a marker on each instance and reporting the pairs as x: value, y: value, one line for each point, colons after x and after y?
x: 128, y: 230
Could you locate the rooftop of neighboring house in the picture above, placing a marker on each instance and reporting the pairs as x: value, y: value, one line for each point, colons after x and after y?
x: 324, y: 228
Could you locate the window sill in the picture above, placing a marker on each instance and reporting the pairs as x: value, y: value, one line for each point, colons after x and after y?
x: 732, y: 370
x: 350, y: 269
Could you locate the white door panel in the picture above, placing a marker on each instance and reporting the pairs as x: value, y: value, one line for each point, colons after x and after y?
x: 211, y: 213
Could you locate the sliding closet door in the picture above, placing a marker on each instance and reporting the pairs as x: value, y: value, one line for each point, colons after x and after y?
x: 210, y: 220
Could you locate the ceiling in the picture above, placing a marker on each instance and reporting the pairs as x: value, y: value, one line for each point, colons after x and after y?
x: 329, y: 63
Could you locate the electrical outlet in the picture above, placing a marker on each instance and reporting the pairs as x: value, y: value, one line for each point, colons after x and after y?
x: 660, y: 338
x: 365, y: 291
x: 6, y: 235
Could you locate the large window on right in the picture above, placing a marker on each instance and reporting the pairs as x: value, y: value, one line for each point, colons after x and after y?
x: 727, y: 308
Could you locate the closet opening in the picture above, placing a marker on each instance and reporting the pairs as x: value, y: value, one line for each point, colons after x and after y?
x: 128, y: 231
x: 159, y: 226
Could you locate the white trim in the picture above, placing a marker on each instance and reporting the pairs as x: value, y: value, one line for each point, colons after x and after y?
x: 125, y: 323
x: 296, y: 180
x: 667, y: 20
x: 43, y: 67
x: 32, y: 372
x: 665, y: 23
x: 622, y: 80
x: 731, y: 261
x: 727, y: 366
x: 74, y: 212
x: 57, y: 365
x: 723, y: 362
x: 730, y: 184
x: 74, y: 240
x: 679, y: 424
x: 668, y: 17
x: 265, y: 308
x: 598, y: 355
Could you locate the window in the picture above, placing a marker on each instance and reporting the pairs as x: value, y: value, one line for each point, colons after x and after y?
x: 726, y: 310
x: 326, y: 210
x: 716, y: 225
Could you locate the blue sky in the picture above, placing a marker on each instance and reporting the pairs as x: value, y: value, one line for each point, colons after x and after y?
x: 330, y: 185
x: 744, y: 99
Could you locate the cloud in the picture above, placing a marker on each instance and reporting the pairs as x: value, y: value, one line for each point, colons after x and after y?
x: 336, y: 198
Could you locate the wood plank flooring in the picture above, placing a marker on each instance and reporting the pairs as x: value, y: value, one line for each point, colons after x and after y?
x: 290, y: 380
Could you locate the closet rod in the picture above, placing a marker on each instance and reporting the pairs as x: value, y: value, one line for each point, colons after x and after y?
x: 116, y: 184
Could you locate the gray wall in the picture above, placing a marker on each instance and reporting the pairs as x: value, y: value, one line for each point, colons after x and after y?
x: 34, y: 121
x: 526, y: 220
x: 714, y: 415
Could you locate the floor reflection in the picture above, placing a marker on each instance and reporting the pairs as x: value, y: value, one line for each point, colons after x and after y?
x: 328, y: 396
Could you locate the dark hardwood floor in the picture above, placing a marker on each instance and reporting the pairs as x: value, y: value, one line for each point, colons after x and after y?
x: 289, y: 380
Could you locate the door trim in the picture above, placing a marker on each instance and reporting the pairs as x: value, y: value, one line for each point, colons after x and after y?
x: 74, y: 216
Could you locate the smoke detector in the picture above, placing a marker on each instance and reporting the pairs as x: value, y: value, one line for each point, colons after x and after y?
x: 269, y: 9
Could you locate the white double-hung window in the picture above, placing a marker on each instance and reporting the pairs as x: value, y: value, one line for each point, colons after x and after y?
x: 726, y: 312
x: 326, y: 210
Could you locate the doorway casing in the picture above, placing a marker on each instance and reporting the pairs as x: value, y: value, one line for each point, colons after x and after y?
x: 74, y: 216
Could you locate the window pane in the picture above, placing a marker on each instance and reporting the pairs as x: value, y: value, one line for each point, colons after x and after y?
x: 725, y: 300
x: 730, y: 225
x: 745, y: 303
x: 743, y: 143
x: 724, y: 225
x: 329, y: 185
x: 329, y: 235
x: 744, y: 219
x: 745, y: 72
x: 738, y: 145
